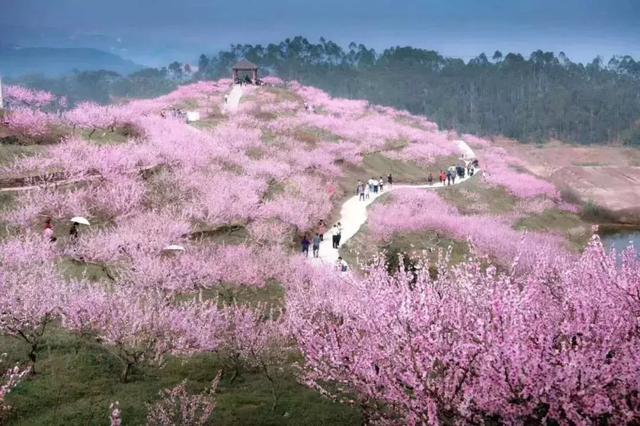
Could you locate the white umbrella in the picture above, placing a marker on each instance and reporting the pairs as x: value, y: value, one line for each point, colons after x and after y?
x: 81, y: 220
x: 173, y: 247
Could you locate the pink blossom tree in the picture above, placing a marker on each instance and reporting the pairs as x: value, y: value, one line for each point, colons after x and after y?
x: 29, y: 122
x: 8, y: 381
x: 559, y: 344
x: 19, y: 96
x: 257, y: 338
x: 30, y: 292
x: 414, y: 210
x: 91, y: 116
x: 503, y: 169
x: 178, y: 407
x: 140, y: 327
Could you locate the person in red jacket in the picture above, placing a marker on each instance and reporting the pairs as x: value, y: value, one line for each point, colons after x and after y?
x: 48, y: 231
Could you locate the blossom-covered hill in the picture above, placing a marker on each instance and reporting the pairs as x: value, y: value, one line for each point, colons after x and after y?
x: 276, y: 165
x: 236, y: 191
x: 271, y: 154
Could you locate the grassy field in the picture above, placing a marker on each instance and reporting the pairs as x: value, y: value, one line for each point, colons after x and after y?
x: 473, y: 196
x: 575, y: 230
x: 362, y: 247
x: 78, y: 379
x: 9, y: 152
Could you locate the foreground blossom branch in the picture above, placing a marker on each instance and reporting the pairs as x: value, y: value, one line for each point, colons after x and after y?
x: 557, y: 344
x: 179, y: 407
x: 8, y: 381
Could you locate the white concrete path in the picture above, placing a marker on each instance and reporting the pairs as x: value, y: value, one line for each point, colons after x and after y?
x: 353, y: 213
x: 233, y: 99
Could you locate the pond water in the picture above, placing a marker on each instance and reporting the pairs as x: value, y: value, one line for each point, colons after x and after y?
x: 620, y: 239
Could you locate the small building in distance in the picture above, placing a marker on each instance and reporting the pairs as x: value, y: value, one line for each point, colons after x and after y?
x: 245, y: 72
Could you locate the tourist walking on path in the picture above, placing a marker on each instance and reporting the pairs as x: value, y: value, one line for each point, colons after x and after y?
x: 451, y: 171
x: 360, y: 191
x: 305, y: 246
x: 443, y: 177
x: 73, y: 232
x: 316, y: 245
x: 374, y: 185
x: 390, y: 179
x: 448, y: 177
x: 430, y: 179
x: 470, y: 170
x: 381, y: 184
x: 342, y: 265
x: 337, y: 234
x: 367, y: 192
x: 322, y: 228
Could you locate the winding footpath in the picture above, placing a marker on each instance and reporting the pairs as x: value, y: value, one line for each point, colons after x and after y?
x: 233, y: 99
x: 353, y: 213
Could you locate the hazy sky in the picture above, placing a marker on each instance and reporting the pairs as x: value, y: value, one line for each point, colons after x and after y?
x: 581, y: 28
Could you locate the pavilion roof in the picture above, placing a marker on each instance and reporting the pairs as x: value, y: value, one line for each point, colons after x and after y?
x: 243, y: 64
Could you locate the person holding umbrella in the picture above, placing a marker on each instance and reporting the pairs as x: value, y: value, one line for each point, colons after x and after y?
x: 73, y: 232
x: 78, y: 220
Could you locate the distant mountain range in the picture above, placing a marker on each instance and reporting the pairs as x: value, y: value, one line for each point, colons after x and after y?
x: 49, y: 61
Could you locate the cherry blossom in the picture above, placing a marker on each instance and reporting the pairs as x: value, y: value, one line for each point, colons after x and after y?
x: 558, y: 344
x: 178, y: 407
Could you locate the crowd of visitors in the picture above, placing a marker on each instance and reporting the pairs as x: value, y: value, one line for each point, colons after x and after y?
x: 372, y: 186
x: 363, y: 190
x: 454, y: 172
x: 375, y: 186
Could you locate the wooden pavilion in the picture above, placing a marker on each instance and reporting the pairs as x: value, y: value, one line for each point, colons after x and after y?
x: 244, y: 70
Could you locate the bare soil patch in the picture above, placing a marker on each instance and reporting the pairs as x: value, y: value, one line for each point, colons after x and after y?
x: 607, y: 176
